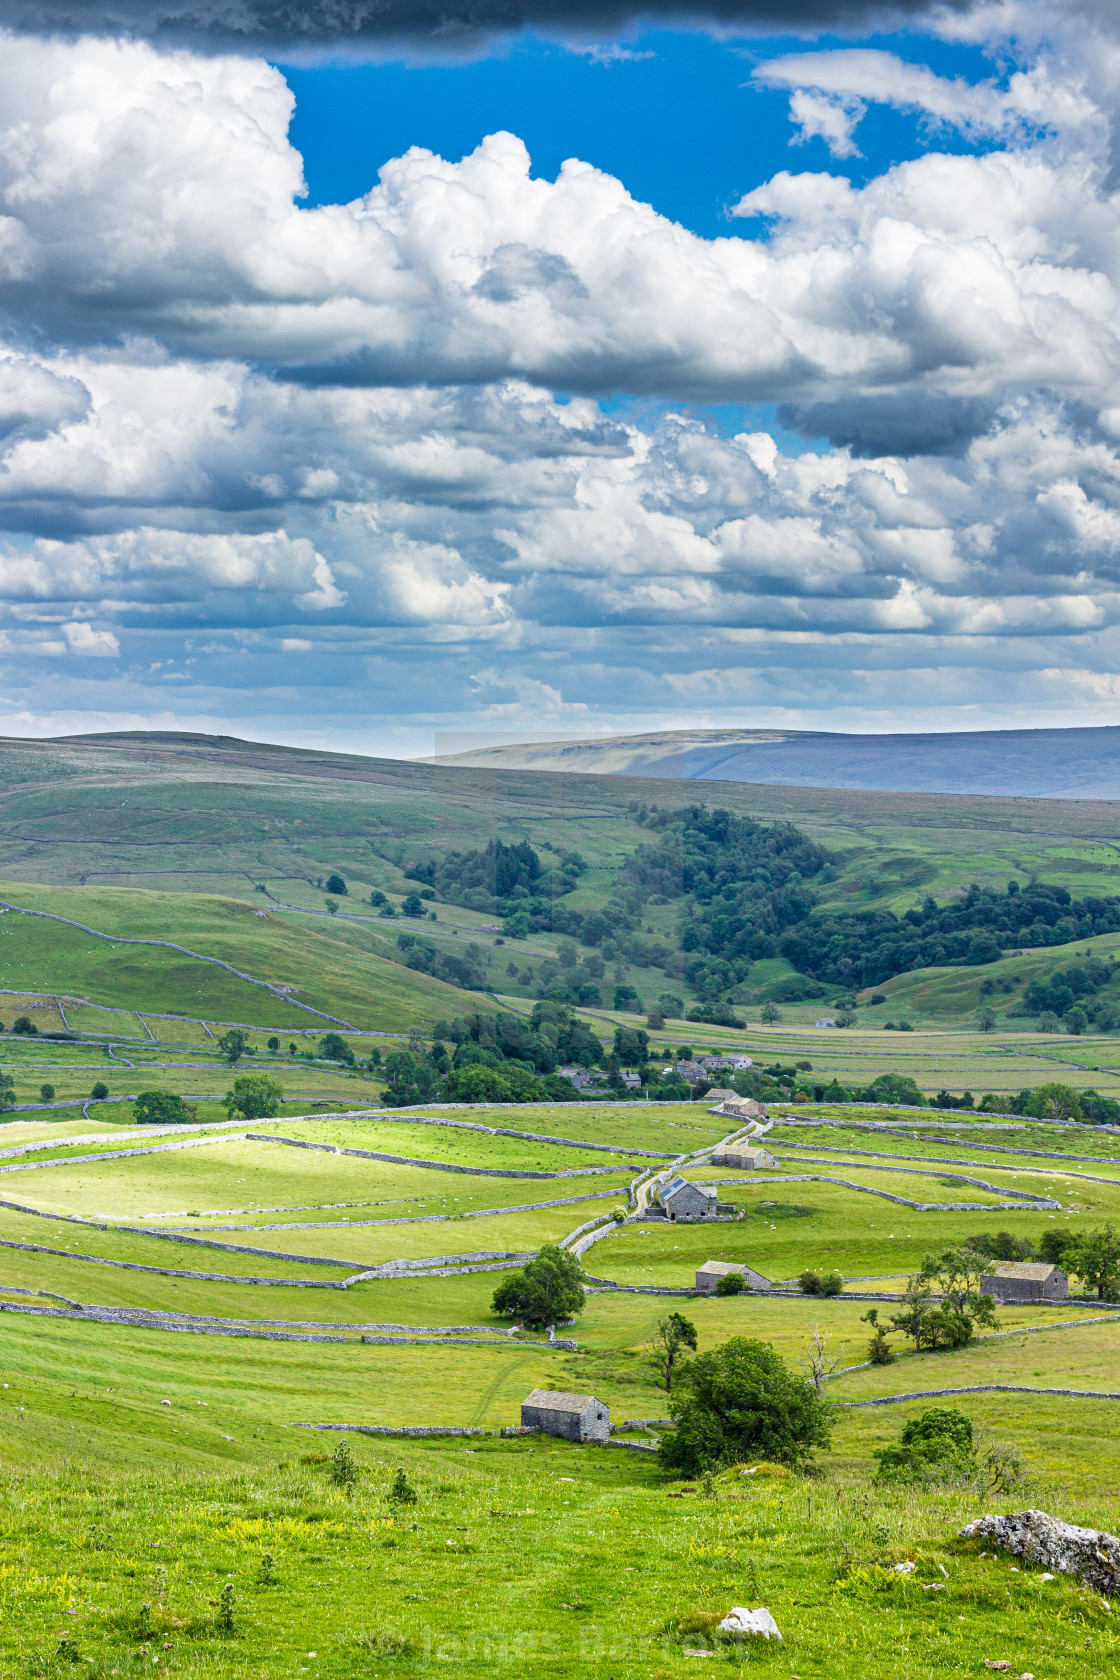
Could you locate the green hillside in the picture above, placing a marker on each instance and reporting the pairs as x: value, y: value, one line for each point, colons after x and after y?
x: 221, y: 826
x: 349, y: 979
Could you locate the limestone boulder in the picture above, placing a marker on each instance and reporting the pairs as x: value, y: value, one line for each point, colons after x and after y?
x: 1042, y: 1539
x: 747, y: 1624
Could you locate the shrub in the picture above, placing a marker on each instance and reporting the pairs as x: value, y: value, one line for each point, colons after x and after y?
x: 335, y: 884
x: 742, y: 1401
x: 46, y: 1093
x: 255, y: 1095
x: 731, y: 1283
x: 401, y: 1491
x: 226, y: 1623
x: 343, y: 1471
x: 24, y: 1024
x: 161, y: 1108
x: 935, y: 1446
x: 547, y: 1291
x: 100, y: 1091
x: 813, y: 1283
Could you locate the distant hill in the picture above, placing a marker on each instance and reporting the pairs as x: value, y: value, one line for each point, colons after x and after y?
x: 1081, y: 763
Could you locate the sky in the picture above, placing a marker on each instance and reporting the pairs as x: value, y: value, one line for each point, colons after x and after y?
x: 371, y: 370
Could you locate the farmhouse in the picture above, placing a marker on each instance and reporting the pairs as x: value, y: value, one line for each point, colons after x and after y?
x: 575, y: 1417
x: 709, y: 1274
x: 682, y: 1200
x: 751, y: 1156
x: 1025, y: 1280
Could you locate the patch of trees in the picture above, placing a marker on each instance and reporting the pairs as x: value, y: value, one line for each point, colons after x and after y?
x: 256, y: 1096
x: 744, y: 884
x: 1072, y: 993
x: 495, y: 1058
x: 465, y: 969
x: 1092, y: 1256
x: 868, y: 947
x: 507, y: 880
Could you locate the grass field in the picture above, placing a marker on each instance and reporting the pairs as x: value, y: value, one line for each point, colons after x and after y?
x: 148, y: 1468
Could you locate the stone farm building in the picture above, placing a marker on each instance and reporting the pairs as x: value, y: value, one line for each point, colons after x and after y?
x: 682, y: 1200
x: 741, y: 1108
x: 749, y: 1156
x: 709, y: 1274
x: 575, y: 1417
x: 1025, y: 1280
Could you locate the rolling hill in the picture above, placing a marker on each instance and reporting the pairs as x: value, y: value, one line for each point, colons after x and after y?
x: 1075, y: 763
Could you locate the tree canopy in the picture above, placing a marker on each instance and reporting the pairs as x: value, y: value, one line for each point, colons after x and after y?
x: 549, y: 1290
x: 161, y: 1108
x: 738, y: 1402
x: 255, y: 1095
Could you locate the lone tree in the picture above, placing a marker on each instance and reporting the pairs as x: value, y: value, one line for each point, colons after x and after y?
x: 255, y: 1095
x: 161, y: 1108
x: 742, y: 1401
x: 944, y: 1302
x: 1095, y: 1258
x: 546, y: 1291
x: 335, y: 884
x: 233, y: 1045
x: 673, y: 1336
x: 335, y: 1049
x: 817, y: 1360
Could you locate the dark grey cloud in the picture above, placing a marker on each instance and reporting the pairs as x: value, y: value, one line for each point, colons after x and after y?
x: 896, y: 423
x: 437, y: 25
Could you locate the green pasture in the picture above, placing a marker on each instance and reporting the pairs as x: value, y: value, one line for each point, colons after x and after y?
x: 133, y: 1248
x: 205, y: 1175
x: 347, y: 982
x: 511, y: 1559
x: 677, y: 1128
x: 790, y: 1227
x: 447, y: 1143
x: 1098, y: 1153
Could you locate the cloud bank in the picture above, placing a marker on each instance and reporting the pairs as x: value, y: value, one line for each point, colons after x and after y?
x: 301, y: 470
x: 443, y: 26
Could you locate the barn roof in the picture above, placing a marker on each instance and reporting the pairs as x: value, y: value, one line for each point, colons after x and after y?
x: 551, y: 1400
x: 1033, y: 1271
x: 677, y: 1184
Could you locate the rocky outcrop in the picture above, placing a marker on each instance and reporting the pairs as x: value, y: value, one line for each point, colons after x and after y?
x: 1042, y: 1539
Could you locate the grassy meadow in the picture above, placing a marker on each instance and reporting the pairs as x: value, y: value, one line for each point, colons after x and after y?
x: 149, y: 1470
x: 164, y: 1504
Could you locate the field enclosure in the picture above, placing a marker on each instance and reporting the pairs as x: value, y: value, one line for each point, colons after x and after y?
x: 183, y: 1308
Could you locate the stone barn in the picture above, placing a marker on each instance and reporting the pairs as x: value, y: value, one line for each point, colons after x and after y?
x: 750, y: 1156
x: 575, y: 1417
x: 741, y: 1108
x: 1025, y: 1280
x: 709, y: 1274
x: 682, y: 1200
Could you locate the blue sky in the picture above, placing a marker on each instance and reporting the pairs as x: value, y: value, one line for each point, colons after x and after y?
x: 683, y: 378
x: 677, y: 119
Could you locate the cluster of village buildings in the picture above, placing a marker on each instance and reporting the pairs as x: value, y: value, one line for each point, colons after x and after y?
x: 692, y: 1072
